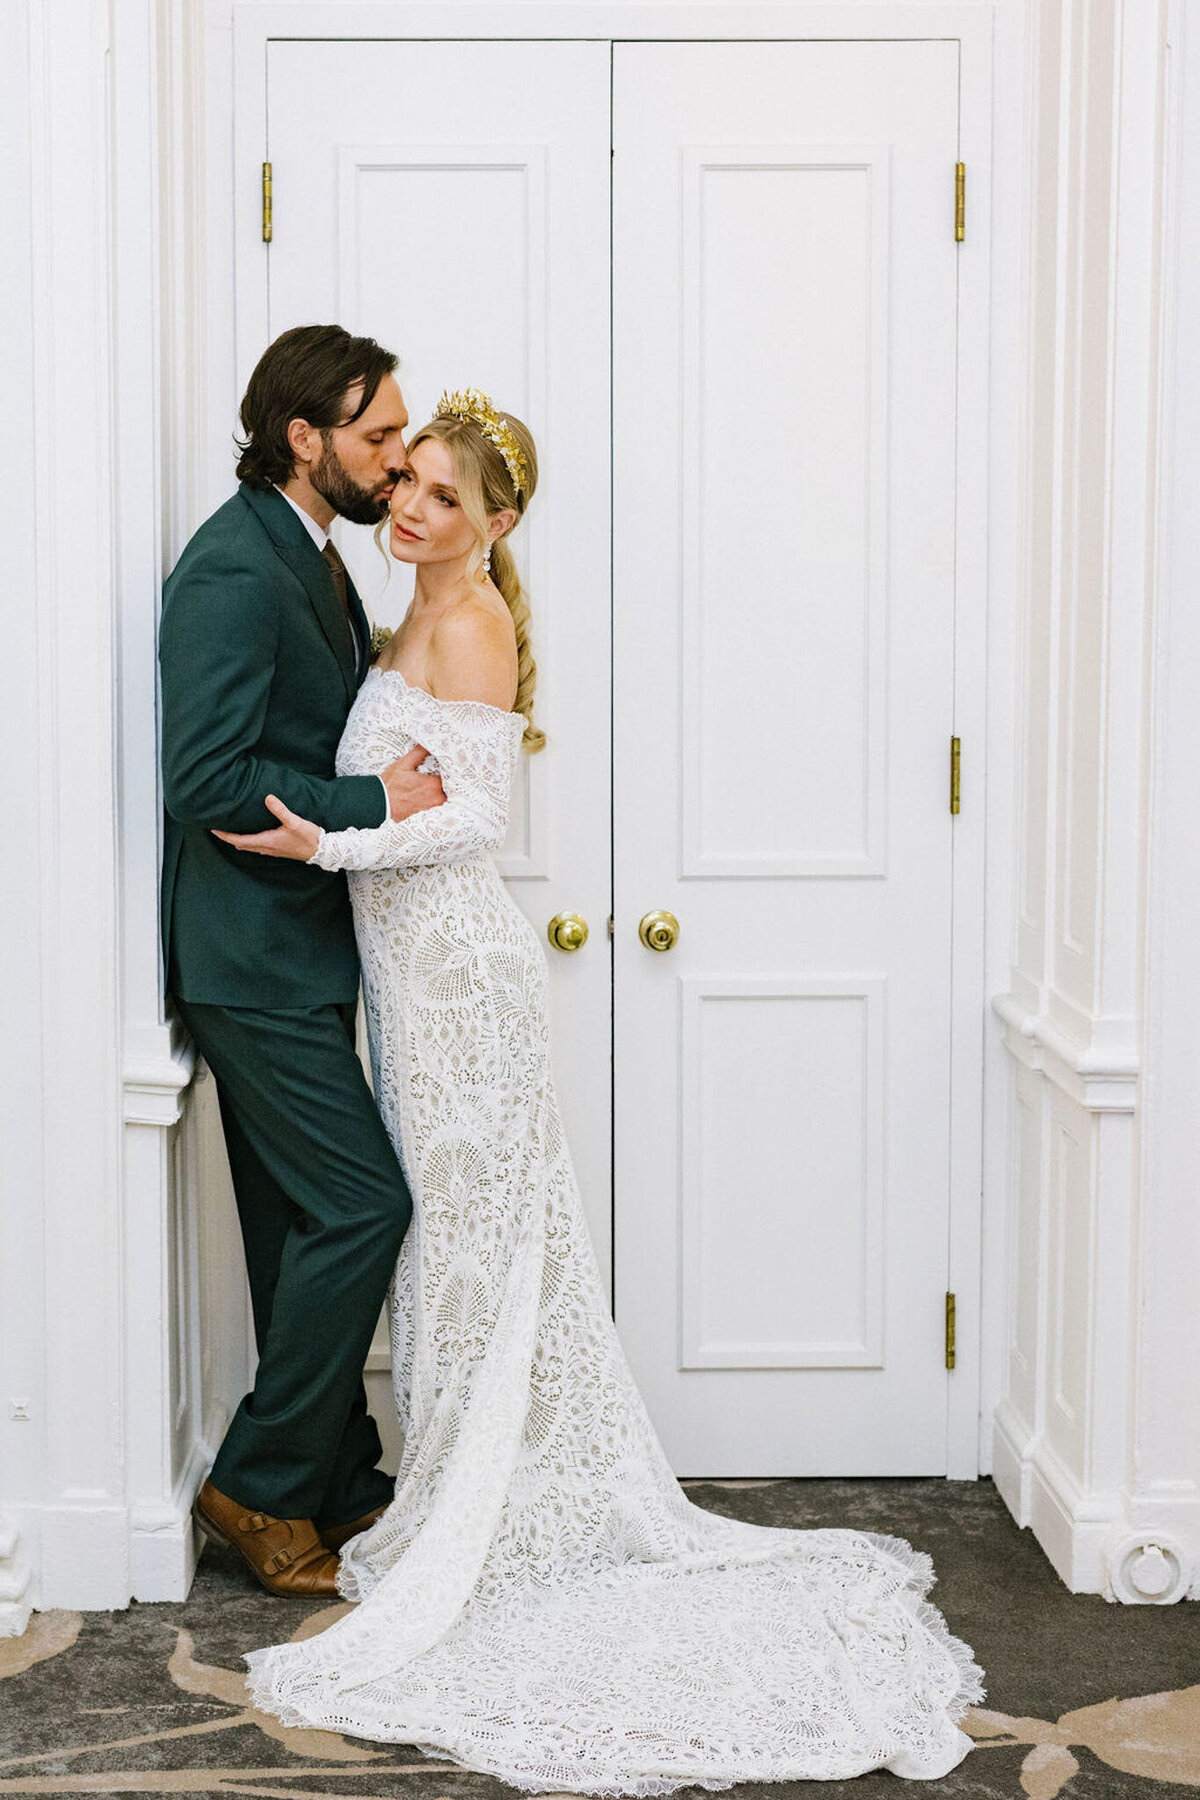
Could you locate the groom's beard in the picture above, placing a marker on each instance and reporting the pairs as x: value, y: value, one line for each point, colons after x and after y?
x: 334, y: 483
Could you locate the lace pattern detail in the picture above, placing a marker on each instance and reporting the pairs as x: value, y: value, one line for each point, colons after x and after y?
x: 542, y: 1601
x: 473, y: 747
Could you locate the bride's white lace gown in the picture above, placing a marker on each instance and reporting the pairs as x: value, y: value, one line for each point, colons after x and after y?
x: 541, y: 1601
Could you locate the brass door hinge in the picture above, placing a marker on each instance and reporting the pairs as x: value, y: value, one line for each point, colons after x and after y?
x: 960, y: 202
x: 955, y: 773
x: 266, y: 202
x: 949, y: 1331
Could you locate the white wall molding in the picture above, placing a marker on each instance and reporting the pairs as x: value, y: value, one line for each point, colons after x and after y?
x: 156, y: 247
x: 1166, y: 1440
x: 76, y: 1479
x: 1139, y: 1549
x: 162, y: 1538
x: 1103, y: 1080
x: 161, y: 1388
x: 154, y: 1086
x: 99, y: 1350
x: 626, y: 19
x: 22, y: 1417
x: 1081, y: 1286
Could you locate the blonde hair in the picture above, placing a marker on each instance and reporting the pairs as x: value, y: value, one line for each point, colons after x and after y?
x: 485, y: 487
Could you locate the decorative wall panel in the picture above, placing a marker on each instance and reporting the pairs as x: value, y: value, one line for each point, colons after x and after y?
x: 1027, y: 1235
x: 1071, y: 1280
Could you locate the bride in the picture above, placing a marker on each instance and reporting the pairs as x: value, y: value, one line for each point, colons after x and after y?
x: 541, y: 1601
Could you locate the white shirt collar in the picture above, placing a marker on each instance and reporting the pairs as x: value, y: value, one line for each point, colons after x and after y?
x: 317, y: 533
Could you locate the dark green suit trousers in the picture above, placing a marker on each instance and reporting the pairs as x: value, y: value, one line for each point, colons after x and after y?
x: 323, y: 1207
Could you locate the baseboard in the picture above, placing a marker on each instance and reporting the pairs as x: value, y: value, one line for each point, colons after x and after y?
x: 98, y: 1557
x: 83, y: 1557
x: 1143, y: 1550
x: 162, y: 1557
x: 1073, y: 1529
x: 14, y: 1616
x: 16, y: 1603
x: 162, y: 1539
x: 1011, y: 1466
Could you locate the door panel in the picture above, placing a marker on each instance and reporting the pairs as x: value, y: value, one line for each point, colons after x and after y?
x: 825, y: 711
x: 473, y: 239
x: 784, y: 352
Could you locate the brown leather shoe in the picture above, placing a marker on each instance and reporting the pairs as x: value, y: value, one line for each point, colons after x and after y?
x: 285, y: 1555
x: 334, y: 1536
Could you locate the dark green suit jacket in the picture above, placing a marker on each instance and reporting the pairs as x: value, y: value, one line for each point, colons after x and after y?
x: 258, y: 675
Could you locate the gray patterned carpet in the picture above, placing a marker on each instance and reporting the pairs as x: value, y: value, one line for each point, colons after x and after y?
x: 1086, y: 1700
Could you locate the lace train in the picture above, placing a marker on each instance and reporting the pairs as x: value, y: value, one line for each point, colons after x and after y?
x: 541, y: 1601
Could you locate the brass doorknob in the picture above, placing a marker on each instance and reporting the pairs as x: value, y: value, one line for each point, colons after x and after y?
x: 567, y: 931
x: 659, y: 931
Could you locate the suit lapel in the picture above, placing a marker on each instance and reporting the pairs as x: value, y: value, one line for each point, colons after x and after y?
x: 302, y: 557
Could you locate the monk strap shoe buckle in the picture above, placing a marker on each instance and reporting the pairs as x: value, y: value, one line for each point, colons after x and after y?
x: 285, y: 1555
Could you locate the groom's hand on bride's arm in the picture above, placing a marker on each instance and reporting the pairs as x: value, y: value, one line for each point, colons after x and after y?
x: 407, y: 791
x: 297, y: 839
x: 293, y: 837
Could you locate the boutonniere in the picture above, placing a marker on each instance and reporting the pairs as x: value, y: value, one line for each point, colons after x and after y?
x: 379, y: 637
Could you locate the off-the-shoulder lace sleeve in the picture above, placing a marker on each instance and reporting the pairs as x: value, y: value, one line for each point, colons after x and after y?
x: 475, y: 748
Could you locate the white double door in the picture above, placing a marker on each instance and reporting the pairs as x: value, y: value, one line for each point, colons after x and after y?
x: 718, y: 280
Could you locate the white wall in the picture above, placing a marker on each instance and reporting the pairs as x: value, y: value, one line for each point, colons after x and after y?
x: 64, y: 1320
x: 102, y: 1408
x: 21, y: 1451
x: 1166, y: 1441
x: 1097, y: 1441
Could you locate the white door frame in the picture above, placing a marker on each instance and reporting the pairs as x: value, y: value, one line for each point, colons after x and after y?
x: 985, y: 658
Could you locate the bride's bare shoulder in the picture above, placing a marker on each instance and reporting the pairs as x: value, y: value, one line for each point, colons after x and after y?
x: 473, y: 652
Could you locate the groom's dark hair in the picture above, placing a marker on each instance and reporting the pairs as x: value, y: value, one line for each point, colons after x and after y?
x: 304, y: 374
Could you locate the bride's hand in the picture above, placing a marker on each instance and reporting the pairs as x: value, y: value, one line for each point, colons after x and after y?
x: 293, y: 837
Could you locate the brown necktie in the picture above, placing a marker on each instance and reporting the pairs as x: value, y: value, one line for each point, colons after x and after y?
x: 337, y: 569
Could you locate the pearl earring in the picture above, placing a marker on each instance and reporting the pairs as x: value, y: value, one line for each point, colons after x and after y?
x: 487, y: 562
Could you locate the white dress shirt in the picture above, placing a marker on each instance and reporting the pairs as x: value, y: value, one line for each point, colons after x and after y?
x: 317, y: 533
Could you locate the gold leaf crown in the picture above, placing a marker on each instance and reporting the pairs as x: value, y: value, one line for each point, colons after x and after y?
x: 470, y: 403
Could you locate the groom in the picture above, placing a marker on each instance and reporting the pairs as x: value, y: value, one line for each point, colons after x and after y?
x: 262, y: 646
